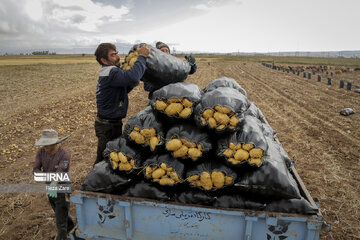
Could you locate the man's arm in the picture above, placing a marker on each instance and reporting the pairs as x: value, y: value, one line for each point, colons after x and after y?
x: 122, y: 78
x: 38, y: 164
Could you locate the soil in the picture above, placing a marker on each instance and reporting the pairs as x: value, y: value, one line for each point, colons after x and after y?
x: 324, y: 144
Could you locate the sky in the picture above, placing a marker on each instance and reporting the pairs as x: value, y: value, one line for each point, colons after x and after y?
x: 185, y: 25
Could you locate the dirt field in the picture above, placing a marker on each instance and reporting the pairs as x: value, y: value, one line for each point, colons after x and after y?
x: 324, y: 144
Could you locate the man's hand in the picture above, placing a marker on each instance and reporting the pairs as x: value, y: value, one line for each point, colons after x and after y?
x: 52, y: 193
x: 191, y: 60
x: 144, y: 50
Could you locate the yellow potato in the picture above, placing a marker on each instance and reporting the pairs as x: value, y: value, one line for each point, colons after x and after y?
x: 160, y: 105
x: 154, y: 141
x: 125, y: 166
x: 163, y: 166
x: 256, y: 153
x: 232, y: 146
x: 205, y: 180
x: 224, y: 110
x: 193, y: 178
x: 220, y: 127
x: 173, y: 109
x: 158, y: 173
x: 174, y: 176
x: 218, y: 179
x: 114, y: 164
x: 148, y: 171
x: 228, y: 153
x: 237, y: 147
x: 203, y: 121
x: 241, y: 155
x: 194, y: 153
x: 132, y: 163
x: 152, y: 132
x: 136, y: 129
x: 212, y: 122
x: 185, y: 113
x: 181, y: 152
x: 248, y: 146
x: 188, y: 143
x: 132, y: 61
x: 187, y: 103
x: 137, y: 137
x: 173, y: 145
x: 221, y: 118
x: 208, y: 113
x: 146, y: 132
x: 114, y: 156
x: 122, y: 158
x: 228, y: 180
x: 256, y: 161
x: 166, y: 181
x: 234, y: 121
x: 174, y: 100
x: 233, y: 161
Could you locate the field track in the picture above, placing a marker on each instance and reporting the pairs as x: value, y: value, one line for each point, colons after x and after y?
x: 305, y: 113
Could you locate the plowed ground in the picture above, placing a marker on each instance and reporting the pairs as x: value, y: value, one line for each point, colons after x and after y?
x: 324, y: 144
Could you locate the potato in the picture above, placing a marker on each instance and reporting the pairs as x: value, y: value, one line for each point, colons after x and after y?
x: 200, y: 148
x: 148, y: 171
x: 228, y: 153
x: 160, y: 105
x: 188, y: 143
x: 114, y: 164
x: 220, y: 127
x: 203, y: 121
x: 163, y: 166
x: 187, y: 103
x: 194, y: 153
x: 122, y: 157
x: 256, y: 153
x: 248, y: 146
x: 241, y: 155
x: 234, y: 121
x: 146, y: 132
x: 132, y: 163
x: 212, y: 122
x: 218, y: 179
x: 136, y: 129
x: 228, y: 180
x: 232, y: 146
x: 233, y: 161
x: 237, y: 147
x: 137, y: 137
x: 193, y: 178
x: 205, y: 180
x: 174, y: 100
x: 221, y: 118
x: 173, y: 109
x: 256, y: 161
x: 125, y: 166
x: 152, y: 132
x: 174, y: 176
x: 114, y: 156
x: 181, y: 152
x: 208, y: 113
x: 224, y: 110
x: 158, y: 173
x: 185, y: 113
x: 166, y: 181
x: 132, y: 61
x: 173, y: 144
x: 154, y: 141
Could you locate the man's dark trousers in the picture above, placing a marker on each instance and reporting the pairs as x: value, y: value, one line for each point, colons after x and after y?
x: 61, y: 207
x: 106, y: 130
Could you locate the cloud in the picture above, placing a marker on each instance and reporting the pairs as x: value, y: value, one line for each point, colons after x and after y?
x: 213, y: 4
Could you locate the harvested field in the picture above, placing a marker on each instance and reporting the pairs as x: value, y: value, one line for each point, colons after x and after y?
x: 324, y: 144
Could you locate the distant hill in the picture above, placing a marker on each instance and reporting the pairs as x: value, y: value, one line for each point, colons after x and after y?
x: 345, y: 54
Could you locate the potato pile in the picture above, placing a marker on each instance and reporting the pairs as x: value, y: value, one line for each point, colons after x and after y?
x: 182, y: 148
x: 163, y: 175
x: 219, y: 117
x: 209, y: 181
x: 175, y: 107
x: 130, y: 60
x: 243, y: 152
x: 145, y: 137
x: 122, y: 162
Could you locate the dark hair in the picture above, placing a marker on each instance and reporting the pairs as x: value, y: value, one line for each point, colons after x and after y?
x: 102, y: 51
x: 160, y: 45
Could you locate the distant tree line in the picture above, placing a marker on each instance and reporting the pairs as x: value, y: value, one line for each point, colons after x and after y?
x: 43, y: 53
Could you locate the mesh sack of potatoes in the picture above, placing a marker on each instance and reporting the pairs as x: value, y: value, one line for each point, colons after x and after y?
x: 224, y: 82
x: 242, y: 201
x: 143, y: 189
x: 187, y: 142
x: 221, y: 110
x: 254, y: 111
x: 130, y: 60
x: 164, y: 170
x: 144, y: 129
x: 163, y: 69
x: 176, y: 101
x: 102, y: 178
x: 272, y: 179
x: 211, y: 175
x: 246, y: 146
x: 122, y: 156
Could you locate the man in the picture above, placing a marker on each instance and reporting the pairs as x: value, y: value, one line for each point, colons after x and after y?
x: 51, y: 157
x: 165, y: 48
x: 112, y: 91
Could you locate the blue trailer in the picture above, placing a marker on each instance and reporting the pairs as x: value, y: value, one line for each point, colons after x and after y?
x: 106, y: 216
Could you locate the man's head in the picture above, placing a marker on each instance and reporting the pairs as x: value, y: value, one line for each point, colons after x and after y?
x: 107, y: 55
x: 163, y: 47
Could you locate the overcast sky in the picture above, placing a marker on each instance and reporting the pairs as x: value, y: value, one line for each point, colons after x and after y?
x: 186, y: 25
